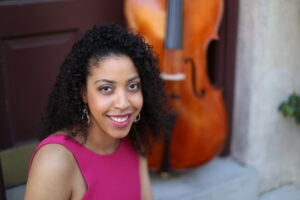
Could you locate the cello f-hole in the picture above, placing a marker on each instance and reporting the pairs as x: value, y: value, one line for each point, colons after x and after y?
x: 199, y: 93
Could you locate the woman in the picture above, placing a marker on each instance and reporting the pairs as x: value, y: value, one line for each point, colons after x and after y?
x: 108, y: 101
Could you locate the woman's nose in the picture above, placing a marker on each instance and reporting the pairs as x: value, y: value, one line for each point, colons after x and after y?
x: 122, y: 101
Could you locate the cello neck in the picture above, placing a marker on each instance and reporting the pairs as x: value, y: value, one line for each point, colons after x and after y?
x: 174, y: 25
x: 173, y: 42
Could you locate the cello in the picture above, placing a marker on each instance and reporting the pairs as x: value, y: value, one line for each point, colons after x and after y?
x: 180, y: 32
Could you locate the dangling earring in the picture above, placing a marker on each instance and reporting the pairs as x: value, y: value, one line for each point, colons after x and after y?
x: 137, y: 118
x: 85, y: 113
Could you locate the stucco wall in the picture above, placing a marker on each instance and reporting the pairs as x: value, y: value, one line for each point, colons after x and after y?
x: 267, y: 71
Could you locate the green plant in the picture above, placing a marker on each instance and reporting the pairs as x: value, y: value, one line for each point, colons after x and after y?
x: 291, y: 107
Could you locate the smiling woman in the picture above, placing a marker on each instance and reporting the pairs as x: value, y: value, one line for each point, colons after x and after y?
x: 108, y: 100
x: 115, y: 100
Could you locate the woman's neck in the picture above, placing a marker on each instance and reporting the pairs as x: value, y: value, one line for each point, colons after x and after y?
x: 101, y: 143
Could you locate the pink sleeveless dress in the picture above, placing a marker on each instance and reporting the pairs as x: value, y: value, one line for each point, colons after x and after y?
x: 108, y: 177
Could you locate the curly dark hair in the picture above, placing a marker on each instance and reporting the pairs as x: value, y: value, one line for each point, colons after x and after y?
x: 65, y: 104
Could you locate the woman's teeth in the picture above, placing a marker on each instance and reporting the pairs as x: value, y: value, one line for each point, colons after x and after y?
x: 119, y: 119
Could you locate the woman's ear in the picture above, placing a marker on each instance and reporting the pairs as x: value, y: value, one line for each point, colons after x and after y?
x: 83, y: 94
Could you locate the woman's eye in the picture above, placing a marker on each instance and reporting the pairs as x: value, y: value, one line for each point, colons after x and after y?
x: 134, y: 86
x: 105, y: 89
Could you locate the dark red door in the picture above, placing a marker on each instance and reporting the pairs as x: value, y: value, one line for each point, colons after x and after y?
x: 34, y: 38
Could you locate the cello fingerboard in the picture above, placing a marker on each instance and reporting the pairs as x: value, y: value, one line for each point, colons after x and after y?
x: 174, y: 25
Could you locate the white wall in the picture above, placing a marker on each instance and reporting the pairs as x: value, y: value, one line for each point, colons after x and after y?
x: 267, y: 71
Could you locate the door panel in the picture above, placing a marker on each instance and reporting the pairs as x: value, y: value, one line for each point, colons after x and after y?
x: 50, y: 16
x: 31, y: 66
x: 35, y: 36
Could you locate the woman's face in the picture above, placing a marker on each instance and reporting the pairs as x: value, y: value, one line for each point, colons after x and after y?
x: 113, y: 95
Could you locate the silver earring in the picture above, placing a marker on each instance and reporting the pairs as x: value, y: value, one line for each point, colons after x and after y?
x: 137, y: 118
x: 85, y: 113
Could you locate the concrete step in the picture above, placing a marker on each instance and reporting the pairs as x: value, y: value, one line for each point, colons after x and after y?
x: 15, y: 193
x: 221, y: 178
x: 288, y: 192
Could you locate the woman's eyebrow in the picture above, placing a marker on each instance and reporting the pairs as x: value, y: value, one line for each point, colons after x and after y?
x: 113, y: 82
x: 133, y: 78
x: 105, y: 80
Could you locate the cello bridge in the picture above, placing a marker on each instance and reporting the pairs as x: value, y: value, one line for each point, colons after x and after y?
x: 173, y: 77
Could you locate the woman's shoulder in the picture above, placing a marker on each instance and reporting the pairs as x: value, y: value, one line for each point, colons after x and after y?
x: 51, y: 172
x: 53, y: 158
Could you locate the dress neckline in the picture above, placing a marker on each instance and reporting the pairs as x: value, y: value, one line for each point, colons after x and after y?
x: 76, y: 142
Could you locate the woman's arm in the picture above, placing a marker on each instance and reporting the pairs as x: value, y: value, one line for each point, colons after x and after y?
x: 50, y: 175
x: 145, y: 180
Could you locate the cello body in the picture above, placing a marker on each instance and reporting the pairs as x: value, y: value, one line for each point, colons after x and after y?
x: 200, y: 131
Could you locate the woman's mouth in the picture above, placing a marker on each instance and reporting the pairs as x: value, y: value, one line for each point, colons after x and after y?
x: 120, y: 121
